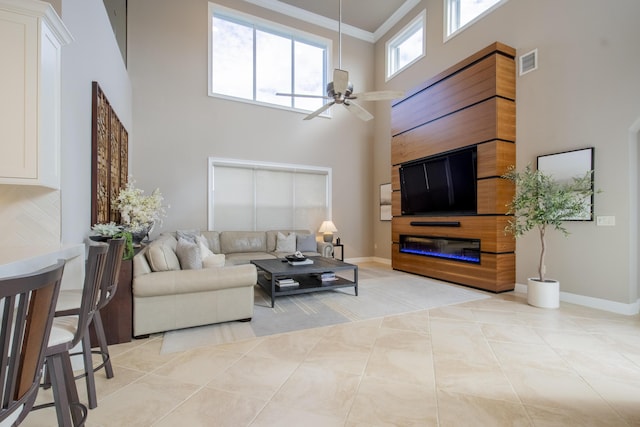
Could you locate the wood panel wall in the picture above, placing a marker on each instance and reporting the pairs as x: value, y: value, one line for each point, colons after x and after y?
x: 470, y: 104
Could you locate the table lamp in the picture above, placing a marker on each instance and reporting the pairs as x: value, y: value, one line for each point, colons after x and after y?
x: 327, y: 229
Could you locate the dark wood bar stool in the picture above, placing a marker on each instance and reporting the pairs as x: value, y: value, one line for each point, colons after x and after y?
x: 69, y: 305
x: 27, y: 305
x: 66, y: 333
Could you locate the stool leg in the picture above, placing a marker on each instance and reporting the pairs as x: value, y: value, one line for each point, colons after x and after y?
x: 102, y: 341
x: 77, y: 412
x: 88, y: 369
x: 60, y: 395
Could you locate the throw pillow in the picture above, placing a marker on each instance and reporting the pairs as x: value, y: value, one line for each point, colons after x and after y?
x: 188, y: 235
x: 188, y: 253
x: 204, y: 248
x: 213, y: 260
x: 307, y: 243
x: 286, y: 243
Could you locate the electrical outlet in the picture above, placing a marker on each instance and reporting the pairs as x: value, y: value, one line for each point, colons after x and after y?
x: 607, y: 221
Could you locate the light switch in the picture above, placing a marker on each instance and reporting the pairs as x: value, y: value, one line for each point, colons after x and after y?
x: 607, y: 221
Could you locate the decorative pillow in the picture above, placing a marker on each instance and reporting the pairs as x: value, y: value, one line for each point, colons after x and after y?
x: 161, y: 256
x: 204, y: 247
x: 188, y: 253
x: 213, y: 260
x: 306, y: 243
x: 188, y: 235
x: 286, y: 243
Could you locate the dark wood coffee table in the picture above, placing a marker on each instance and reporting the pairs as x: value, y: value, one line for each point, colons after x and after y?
x: 272, y: 270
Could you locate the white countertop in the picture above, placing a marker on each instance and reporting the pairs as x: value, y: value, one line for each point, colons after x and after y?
x: 27, y: 259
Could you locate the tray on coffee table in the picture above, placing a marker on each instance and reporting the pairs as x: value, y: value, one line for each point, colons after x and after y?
x: 270, y: 271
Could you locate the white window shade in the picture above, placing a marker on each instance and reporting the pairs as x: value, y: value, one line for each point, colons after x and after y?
x: 260, y: 196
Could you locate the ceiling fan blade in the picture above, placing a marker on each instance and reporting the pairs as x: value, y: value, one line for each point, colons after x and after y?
x: 301, y: 95
x: 360, y: 112
x: 380, y: 95
x: 340, y: 81
x: 319, y: 111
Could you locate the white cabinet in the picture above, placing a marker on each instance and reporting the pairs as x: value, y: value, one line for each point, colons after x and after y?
x: 31, y: 35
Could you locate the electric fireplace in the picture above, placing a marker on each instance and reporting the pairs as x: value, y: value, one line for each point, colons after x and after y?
x: 455, y: 249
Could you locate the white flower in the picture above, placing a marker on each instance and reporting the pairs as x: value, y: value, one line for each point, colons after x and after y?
x: 137, y: 210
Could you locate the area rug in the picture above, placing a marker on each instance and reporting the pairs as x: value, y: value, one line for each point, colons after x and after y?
x: 381, y: 293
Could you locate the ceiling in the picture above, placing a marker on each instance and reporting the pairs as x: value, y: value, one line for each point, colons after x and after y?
x: 364, y: 19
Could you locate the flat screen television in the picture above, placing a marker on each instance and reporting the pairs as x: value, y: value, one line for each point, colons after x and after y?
x: 444, y: 184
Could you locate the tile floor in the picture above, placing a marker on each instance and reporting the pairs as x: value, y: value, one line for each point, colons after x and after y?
x: 493, y: 362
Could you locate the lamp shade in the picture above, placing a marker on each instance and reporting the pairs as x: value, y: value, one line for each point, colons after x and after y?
x: 327, y: 227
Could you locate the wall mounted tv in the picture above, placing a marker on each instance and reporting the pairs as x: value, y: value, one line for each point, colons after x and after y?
x: 444, y: 184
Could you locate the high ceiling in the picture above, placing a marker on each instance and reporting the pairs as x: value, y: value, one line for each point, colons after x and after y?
x: 369, y: 18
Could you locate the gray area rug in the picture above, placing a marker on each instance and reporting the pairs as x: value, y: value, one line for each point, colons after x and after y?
x: 381, y: 292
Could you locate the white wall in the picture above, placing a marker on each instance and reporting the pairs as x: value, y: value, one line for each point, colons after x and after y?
x: 92, y: 56
x: 586, y: 92
x: 177, y: 126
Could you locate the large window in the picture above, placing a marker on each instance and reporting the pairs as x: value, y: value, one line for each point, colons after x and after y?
x: 267, y: 196
x: 461, y: 13
x: 251, y: 59
x: 407, y: 46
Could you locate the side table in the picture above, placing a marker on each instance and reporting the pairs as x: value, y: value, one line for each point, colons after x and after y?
x: 341, y: 246
x: 117, y: 316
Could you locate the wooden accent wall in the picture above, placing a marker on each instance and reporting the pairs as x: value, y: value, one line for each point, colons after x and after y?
x: 469, y: 104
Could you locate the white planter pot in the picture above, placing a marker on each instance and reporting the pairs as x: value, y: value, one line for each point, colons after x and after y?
x: 543, y: 294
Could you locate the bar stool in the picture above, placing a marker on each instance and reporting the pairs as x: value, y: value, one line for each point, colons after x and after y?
x: 69, y: 304
x: 27, y: 304
x: 66, y: 333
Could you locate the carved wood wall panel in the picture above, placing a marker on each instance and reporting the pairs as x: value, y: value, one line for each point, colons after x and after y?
x: 109, y: 158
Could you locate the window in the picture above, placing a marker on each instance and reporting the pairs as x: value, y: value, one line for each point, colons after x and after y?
x: 267, y: 196
x: 251, y: 59
x: 407, y: 46
x: 460, y: 13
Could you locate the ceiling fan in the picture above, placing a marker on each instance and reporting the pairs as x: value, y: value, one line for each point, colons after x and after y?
x: 340, y: 90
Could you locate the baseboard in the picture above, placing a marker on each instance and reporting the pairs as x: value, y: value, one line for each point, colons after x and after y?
x: 368, y: 259
x: 597, y: 303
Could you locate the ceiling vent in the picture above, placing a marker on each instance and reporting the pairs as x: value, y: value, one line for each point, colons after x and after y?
x: 529, y: 62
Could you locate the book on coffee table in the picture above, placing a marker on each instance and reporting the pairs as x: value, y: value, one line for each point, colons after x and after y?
x: 286, y: 282
x: 305, y: 262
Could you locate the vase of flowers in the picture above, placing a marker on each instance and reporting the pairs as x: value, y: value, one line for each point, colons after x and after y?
x: 139, y: 213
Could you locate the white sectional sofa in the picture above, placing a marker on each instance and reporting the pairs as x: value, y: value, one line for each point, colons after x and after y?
x: 177, y: 286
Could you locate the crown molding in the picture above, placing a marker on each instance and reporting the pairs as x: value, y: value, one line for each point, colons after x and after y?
x: 332, y: 24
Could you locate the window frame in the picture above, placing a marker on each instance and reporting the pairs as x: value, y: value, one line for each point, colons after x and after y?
x: 447, y: 19
x: 273, y: 28
x: 401, y: 36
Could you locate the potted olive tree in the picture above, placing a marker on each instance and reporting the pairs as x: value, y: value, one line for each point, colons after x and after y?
x: 541, y: 202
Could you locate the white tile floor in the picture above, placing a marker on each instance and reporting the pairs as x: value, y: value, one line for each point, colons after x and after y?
x: 493, y: 362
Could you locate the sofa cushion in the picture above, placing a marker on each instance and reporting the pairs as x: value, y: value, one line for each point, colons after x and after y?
x: 213, y: 240
x: 161, y: 254
x: 188, y: 253
x: 242, y: 241
x: 306, y: 243
x: 213, y: 260
x: 246, y: 257
x: 286, y: 243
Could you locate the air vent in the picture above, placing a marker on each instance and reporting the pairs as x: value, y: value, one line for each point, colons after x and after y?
x: 529, y: 62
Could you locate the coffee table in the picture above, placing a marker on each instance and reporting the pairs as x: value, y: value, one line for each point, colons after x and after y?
x: 272, y: 270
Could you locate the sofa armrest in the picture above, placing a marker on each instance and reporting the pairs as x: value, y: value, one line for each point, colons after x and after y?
x: 175, y: 282
x: 325, y: 249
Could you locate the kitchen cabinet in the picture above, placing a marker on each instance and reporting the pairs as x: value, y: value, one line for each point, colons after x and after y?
x: 31, y: 37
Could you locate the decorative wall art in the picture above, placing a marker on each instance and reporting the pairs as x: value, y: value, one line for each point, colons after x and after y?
x: 385, y: 202
x: 567, y: 165
x: 109, y: 158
